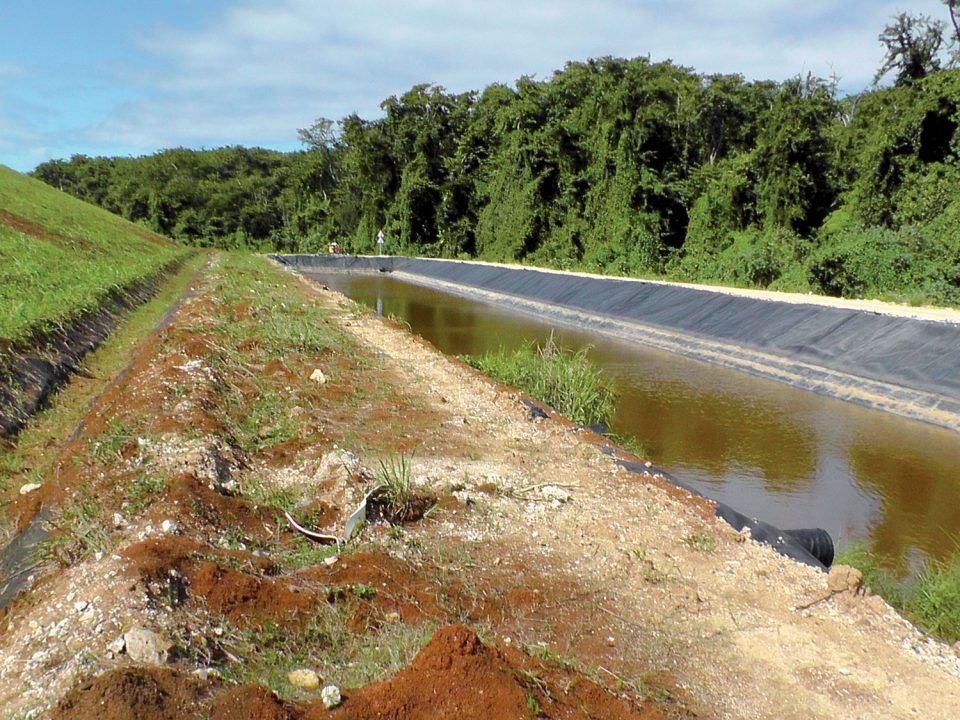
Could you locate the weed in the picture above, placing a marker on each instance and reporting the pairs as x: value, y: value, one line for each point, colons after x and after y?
x: 934, y: 599
x: 77, y: 533
x: 395, y: 474
x: 567, y: 381
x: 533, y: 705
x: 930, y: 600
x: 327, y: 643
x: 265, y: 422
x: 702, y: 542
x: 113, y: 441
x: 143, y: 491
x: 547, y: 654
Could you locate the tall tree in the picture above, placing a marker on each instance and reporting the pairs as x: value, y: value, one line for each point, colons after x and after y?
x: 913, y: 45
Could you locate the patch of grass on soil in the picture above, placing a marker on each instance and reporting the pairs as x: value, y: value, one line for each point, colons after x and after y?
x: 330, y: 644
x: 60, y: 257
x: 566, y: 381
x: 930, y: 599
x: 29, y: 459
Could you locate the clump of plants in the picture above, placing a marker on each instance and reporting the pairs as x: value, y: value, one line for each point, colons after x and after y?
x: 930, y: 599
x: 567, y: 381
x: 399, y: 500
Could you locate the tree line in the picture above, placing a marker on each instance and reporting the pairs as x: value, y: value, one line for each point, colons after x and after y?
x: 619, y: 166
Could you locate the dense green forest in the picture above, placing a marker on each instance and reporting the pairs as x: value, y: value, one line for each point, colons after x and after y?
x: 620, y: 166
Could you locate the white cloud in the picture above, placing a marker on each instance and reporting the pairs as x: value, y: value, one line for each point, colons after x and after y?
x: 266, y: 67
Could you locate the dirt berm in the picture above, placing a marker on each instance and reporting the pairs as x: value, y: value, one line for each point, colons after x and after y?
x: 544, y: 582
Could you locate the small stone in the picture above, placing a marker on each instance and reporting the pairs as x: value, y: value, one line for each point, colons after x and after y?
x: 611, y: 641
x: 392, y: 617
x: 80, y: 605
x: 332, y: 560
x: 648, y: 464
x: 330, y: 696
x: 146, y: 646
x: 118, y: 520
x: 304, y: 678
x: 317, y: 376
x: 844, y: 578
x: 117, y: 645
x: 169, y: 527
x: 29, y: 488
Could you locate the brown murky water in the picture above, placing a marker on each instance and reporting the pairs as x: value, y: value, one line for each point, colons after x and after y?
x: 790, y: 457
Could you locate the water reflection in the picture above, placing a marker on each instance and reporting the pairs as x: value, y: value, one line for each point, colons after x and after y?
x: 787, y: 456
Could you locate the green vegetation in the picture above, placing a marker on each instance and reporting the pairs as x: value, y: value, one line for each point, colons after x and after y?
x: 328, y: 643
x: 566, y: 381
x: 60, y: 257
x: 930, y: 599
x: 29, y: 459
x: 78, y: 532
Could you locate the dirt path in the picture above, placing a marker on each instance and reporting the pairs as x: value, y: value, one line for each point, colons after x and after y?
x: 724, y: 621
x: 591, y: 587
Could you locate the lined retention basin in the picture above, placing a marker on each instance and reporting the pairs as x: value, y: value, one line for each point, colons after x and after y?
x: 892, y: 362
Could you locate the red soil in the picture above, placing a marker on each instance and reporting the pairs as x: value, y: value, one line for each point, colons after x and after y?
x: 457, y: 676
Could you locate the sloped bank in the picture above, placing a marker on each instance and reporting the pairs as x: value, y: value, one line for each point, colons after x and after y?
x: 31, y: 371
x: 884, y: 360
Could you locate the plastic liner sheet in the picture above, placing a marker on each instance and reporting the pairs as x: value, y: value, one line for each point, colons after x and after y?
x: 812, y: 547
x: 901, y: 364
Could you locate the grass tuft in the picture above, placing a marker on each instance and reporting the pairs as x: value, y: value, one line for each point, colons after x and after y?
x: 567, y: 381
x: 930, y: 599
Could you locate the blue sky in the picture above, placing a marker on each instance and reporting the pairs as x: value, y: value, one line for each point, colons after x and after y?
x: 111, y: 77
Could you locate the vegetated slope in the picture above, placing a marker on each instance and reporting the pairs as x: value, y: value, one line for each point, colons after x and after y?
x: 61, y: 258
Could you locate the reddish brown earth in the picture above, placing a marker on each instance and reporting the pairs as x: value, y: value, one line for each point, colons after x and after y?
x: 598, y: 594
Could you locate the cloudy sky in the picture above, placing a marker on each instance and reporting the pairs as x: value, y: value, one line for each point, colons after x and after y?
x: 118, y: 77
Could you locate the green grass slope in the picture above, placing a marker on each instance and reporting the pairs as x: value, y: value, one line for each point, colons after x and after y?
x: 60, y: 257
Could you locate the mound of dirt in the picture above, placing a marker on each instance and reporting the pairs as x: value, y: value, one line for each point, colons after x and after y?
x: 250, y: 702
x: 457, y: 676
x: 228, y: 582
x: 134, y: 693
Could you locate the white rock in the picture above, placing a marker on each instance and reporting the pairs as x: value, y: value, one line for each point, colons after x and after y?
x: 330, y: 696
x: 80, y: 605
x: 146, y: 646
x: 318, y: 377
x: 304, y: 678
x: 169, y: 527
x: 118, y: 521
x: 117, y: 645
x: 29, y: 488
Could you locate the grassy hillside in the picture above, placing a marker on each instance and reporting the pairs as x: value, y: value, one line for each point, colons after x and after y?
x: 60, y: 257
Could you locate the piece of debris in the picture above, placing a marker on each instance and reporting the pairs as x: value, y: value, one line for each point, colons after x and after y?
x: 330, y: 696
x: 304, y: 678
x: 356, y: 517
x: 317, y: 376
x: 29, y: 488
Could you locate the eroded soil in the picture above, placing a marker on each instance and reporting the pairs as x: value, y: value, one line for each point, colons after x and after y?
x: 544, y: 581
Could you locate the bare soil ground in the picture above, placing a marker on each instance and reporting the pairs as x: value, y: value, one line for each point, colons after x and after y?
x: 545, y: 582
